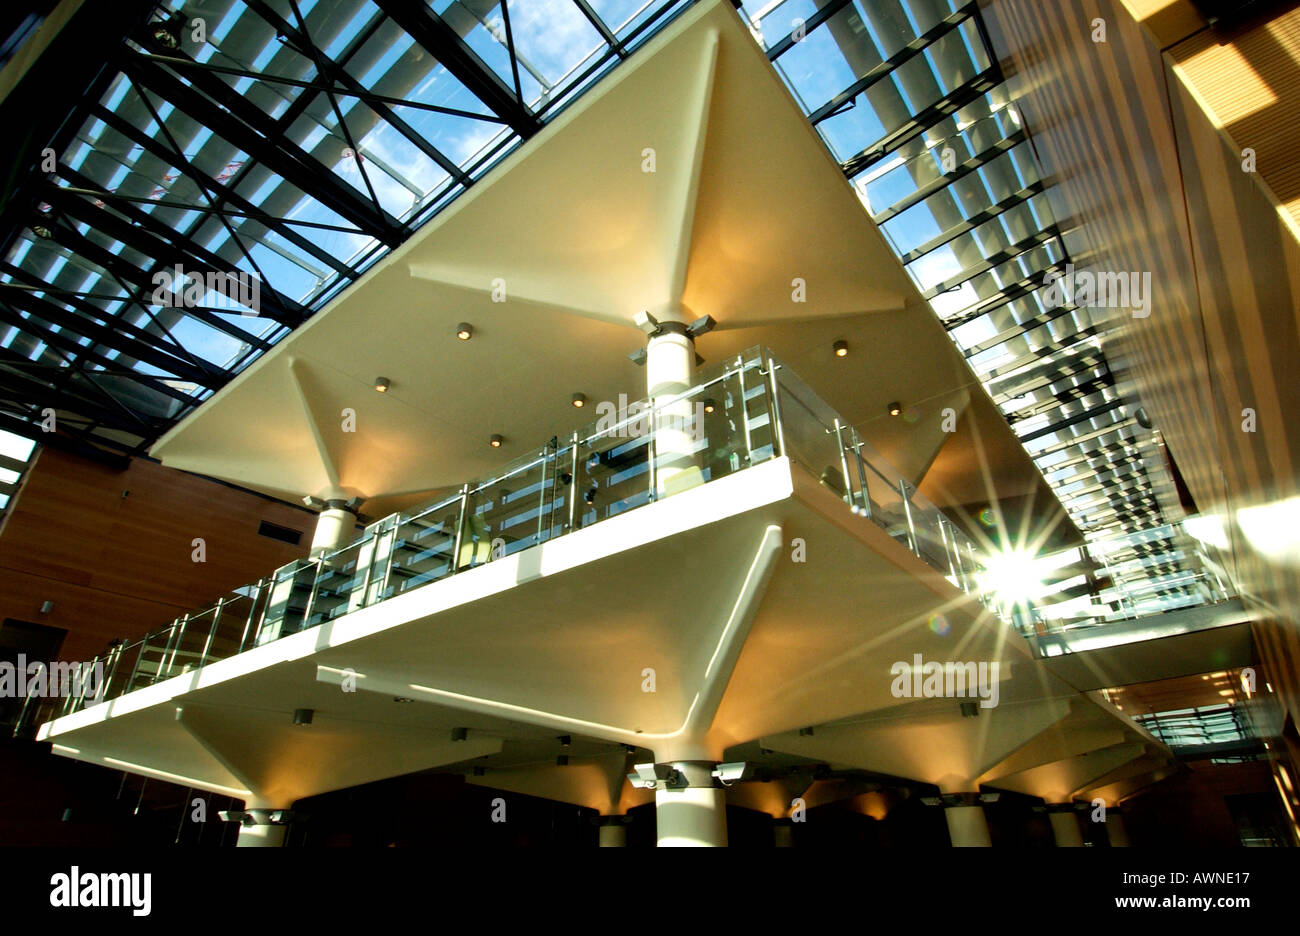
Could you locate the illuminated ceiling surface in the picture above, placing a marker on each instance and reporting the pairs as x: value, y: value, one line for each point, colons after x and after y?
x: 304, y: 140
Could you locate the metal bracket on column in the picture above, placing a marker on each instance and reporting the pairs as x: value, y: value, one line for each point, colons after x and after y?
x: 256, y: 817
x: 677, y: 776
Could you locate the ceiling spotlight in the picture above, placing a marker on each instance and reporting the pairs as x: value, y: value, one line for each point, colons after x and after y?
x: 303, y: 716
x: 464, y: 331
x: 709, y: 406
x: 398, y: 698
x: 495, y: 441
x: 895, y: 408
x: 459, y: 734
x: 841, y: 348
x: 562, y: 760
x: 565, y: 740
x: 381, y: 384
x: 579, y: 400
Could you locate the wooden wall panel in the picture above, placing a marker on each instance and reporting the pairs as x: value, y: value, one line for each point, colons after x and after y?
x: 1115, y: 178
x: 1250, y: 89
x: 1144, y: 150
x: 118, y: 566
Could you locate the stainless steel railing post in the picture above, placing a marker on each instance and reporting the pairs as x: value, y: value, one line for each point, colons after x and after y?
x: 110, y: 670
x: 778, y: 434
x: 212, y: 631
x: 862, y: 475
x: 388, y: 560
x: 744, y: 409
x: 319, y: 562
x: 541, y: 496
x: 173, y: 644
x: 460, y: 529
x: 650, y: 447
x: 135, y: 667
x: 573, y: 481
x: 844, y: 463
x: 907, y: 509
x: 948, y: 552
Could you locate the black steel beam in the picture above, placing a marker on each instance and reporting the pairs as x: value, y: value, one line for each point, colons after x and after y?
x: 433, y: 34
x: 127, y: 272
x: 44, y: 108
x: 146, y: 235
x: 1037, y: 239
x: 945, y: 106
x: 337, y: 73
x: 73, y: 326
x: 969, y: 224
x: 243, y: 124
x: 42, y: 394
x: 59, y: 440
x: 887, y: 66
x: 224, y: 193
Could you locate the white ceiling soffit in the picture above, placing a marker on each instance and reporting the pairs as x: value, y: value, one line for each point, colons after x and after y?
x: 688, y: 183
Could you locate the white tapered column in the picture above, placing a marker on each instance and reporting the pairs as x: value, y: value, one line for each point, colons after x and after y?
x: 613, y: 832
x: 335, y: 526
x: 1065, y: 825
x: 670, y: 370
x: 968, y: 827
x: 691, y: 810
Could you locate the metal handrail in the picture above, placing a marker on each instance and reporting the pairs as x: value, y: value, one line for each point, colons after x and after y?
x: 389, y: 528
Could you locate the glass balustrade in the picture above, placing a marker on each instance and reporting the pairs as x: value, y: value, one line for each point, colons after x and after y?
x: 740, y: 413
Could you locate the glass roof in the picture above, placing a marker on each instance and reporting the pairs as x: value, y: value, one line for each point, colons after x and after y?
x: 1198, y: 726
x: 909, y: 98
x: 280, y: 146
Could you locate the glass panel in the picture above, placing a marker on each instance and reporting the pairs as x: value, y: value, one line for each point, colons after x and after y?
x: 846, y: 464
x: 723, y: 424
x: 232, y: 632
x: 151, y: 660
x: 811, y: 440
x: 614, y: 465
x: 340, y: 581
x: 423, y: 546
x: 186, y: 650
x: 511, y: 512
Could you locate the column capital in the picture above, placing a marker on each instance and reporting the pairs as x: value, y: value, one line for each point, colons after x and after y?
x: 952, y: 800
x: 258, y: 816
